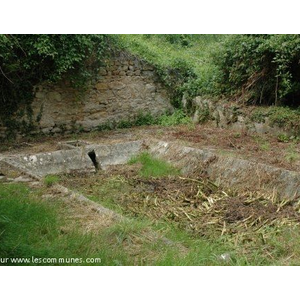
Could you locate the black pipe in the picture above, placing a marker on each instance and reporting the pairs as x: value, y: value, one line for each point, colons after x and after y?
x: 93, y: 157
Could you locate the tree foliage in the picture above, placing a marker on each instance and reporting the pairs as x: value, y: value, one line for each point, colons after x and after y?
x: 260, y: 68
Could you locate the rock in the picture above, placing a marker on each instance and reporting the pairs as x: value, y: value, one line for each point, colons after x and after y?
x: 35, y: 183
x: 47, y: 120
x: 56, y: 130
x: 225, y: 257
x: 196, y: 117
x: 54, y: 96
x: 150, y: 88
x: 101, y: 86
x: 117, y: 85
x: 40, y: 95
x: 22, y: 179
x: 46, y: 130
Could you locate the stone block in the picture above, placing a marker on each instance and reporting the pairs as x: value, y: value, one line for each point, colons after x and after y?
x: 150, y: 88
x: 103, y: 71
x: 56, y: 130
x: 117, y: 85
x: 40, y: 95
x: 54, y: 96
x: 101, y: 86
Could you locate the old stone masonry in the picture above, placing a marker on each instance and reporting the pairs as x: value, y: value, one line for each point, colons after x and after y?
x: 127, y: 86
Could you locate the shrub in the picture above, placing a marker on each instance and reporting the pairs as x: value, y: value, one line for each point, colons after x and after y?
x: 178, y: 117
x: 261, y: 69
x: 284, y: 117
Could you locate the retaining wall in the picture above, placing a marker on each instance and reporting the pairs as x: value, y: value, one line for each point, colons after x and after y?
x: 126, y: 87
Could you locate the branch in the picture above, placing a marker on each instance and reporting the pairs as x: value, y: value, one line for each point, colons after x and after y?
x: 5, y: 75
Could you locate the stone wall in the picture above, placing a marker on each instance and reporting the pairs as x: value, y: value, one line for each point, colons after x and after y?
x: 226, y: 114
x: 126, y: 87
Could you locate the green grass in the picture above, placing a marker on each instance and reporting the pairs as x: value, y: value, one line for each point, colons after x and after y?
x: 153, y: 167
x: 50, y: 180
x: 184, y: 63
x: 262, y: 143
x: 168, y: 119
x: 160, y: 51
x: 30, y: 227
x: 291, y: 154
x: 178, y: 117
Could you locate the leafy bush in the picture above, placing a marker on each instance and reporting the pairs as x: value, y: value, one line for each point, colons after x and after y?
x: 261, y: 69
x: 284, y: 117
x: 178, y: 117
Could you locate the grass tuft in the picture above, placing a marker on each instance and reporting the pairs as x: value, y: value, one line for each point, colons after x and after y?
x: 50, y: 180
x: 153, y: 167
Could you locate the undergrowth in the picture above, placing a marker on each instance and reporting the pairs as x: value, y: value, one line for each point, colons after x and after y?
x: 50, y: 180
x: 145, y: 119
x: 283, y: 117
x: 272, y: 245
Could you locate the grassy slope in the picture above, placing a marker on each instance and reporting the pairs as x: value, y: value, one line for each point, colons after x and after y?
x: 158, y: 50
x: 31, y: 226
x: 161, y: 52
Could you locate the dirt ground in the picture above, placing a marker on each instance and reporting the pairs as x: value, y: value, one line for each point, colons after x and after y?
x: 260, y: 148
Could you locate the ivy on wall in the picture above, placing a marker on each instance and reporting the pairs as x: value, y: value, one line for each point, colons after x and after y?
x: 28, y: 60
